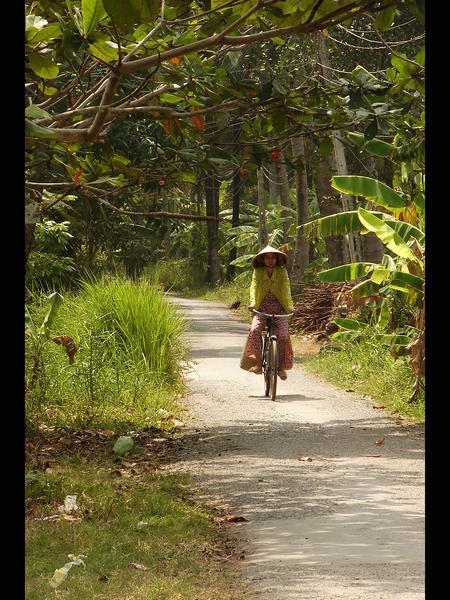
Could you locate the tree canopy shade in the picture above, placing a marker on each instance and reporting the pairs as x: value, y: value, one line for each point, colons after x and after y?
x: 176, y: 64
x: 128, y: 101
x: 104, y: 56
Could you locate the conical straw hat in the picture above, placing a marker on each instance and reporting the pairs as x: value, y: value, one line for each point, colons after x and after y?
x: 258, y: 260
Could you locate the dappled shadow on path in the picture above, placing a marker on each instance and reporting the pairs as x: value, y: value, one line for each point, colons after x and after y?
x: 341, y: 503
x: 278, y: 478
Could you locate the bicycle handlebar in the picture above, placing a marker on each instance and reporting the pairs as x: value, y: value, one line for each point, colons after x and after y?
x: 273, y: 315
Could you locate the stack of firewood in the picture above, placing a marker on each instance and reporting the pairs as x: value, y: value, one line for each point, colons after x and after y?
x: 318, y: 305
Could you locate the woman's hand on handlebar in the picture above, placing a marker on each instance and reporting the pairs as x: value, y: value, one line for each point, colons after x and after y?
x: 250, y: 308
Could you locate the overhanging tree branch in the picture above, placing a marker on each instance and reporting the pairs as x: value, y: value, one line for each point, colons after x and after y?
x: 90, y: 133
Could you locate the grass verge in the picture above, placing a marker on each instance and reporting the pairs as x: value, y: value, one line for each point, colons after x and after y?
x: 140, y: 530
x: 366, y: 368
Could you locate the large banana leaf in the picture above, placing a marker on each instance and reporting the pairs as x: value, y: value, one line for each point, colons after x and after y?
x: 403, y: 229
x: 352, y: 324
x: 246, y: 239
x: 365, y: 288
x: 337, y: 224
x: 55, y: 300
x: 369, y: 188
x: 380, y: 275
x: 276, y: 238
x: 408, y: 280
x: 346, y: 336
x: 230, y: 244
x: 349, y: 222
x: 348, y: 272
x: 242, y: 229
x: 386, y: 234
x: 373, y: 146
x: 383, y: 317
x: 393, y: 339
x: 242, y: 261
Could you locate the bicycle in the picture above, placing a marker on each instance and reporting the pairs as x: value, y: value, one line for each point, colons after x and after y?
x: 269, y: 358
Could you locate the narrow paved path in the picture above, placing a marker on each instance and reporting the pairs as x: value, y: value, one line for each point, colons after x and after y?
x: 349, y: 522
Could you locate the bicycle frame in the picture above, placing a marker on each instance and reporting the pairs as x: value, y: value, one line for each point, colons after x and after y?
x: 269, y: 358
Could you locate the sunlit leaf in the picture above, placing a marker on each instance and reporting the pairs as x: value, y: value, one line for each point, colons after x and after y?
x: 369, y: 188
x: 43, y: 67
x: 348, y: 272
x: 93, y: 12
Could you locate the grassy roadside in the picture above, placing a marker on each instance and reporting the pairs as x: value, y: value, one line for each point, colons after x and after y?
x: 367, y: 369
x: 140, y: 529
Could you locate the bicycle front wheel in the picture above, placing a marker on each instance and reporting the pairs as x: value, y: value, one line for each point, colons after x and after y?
x: 273, y: 368
x: 266, y: 367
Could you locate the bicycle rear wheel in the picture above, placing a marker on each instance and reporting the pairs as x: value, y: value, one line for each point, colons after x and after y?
x: 273, y: 368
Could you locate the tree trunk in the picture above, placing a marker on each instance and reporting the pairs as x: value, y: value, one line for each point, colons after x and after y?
x: 353, y: 246
x: 212, y: 200
x: 301, y: 252
x: 328, y: 206
x: 272, y: 179
x: 263, y: 238
x: 348, y: 202
x: 284, y: 194
x: 165, y: 203
x: 231, y: 269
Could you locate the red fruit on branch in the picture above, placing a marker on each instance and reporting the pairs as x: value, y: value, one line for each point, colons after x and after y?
x: 76, y: 177
x: 274, y: 155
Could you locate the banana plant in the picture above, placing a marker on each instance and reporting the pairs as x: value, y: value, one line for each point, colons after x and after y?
x: 402, y: 267
x: 40, y: 336
x: 245, y: 236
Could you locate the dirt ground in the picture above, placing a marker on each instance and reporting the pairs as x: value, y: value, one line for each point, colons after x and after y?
x: 331, y: 488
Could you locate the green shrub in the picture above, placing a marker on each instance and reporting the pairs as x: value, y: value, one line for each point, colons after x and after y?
x: 177, y: 275
x: 48, y: 266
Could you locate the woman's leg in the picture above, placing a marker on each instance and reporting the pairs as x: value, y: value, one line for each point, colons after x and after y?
x: 254, y: 347
x: 285, y: 352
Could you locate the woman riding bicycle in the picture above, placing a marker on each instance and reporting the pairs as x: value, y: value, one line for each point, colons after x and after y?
x: 270, y: 292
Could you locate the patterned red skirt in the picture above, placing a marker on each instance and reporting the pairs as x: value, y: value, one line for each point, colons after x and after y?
x: 271, y: 305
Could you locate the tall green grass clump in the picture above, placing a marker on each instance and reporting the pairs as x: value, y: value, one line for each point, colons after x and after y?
x: 130, y: 356
x: 145, y: 326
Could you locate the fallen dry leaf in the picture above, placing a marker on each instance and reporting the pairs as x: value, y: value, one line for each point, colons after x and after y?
x: 308, y: 458
x: 373, y: 455
x: 235, y: 519
x: 68, y: 344
x: 380, y: 442
x: 375, y: 406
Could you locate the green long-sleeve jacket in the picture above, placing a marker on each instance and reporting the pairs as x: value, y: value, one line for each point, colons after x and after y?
x: 278, y: 284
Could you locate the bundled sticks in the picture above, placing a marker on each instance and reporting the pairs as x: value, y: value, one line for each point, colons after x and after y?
x: 318, y: 305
